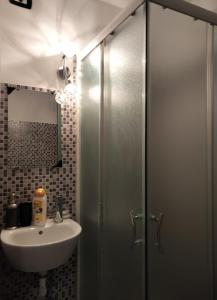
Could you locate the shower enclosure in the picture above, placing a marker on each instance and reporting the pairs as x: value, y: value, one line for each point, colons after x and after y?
x: 148, y: 167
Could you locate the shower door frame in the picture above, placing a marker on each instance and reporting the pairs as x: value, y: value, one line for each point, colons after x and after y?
x: 189, y: 9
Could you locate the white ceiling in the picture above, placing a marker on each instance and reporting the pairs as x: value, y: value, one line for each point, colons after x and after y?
x: 52, y: 23
x: 31, y: 40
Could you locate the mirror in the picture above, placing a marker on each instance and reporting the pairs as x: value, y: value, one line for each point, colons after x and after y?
x: 34, y: 128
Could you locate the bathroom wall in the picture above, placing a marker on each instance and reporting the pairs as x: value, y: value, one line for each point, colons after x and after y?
x: 61, y: 181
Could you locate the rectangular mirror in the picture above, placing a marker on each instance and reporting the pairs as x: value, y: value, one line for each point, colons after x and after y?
x: 34, y: 128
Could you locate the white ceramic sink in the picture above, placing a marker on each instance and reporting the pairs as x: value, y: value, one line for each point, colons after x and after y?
x: 39, y: 249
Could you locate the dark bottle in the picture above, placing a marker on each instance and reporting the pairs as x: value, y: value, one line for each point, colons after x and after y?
x: 11, y: 216
x: 25, y: 214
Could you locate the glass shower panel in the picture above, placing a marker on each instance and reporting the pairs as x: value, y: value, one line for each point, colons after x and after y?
x: 122, y: 189
x: 89, y: 184
x: 180, y: 234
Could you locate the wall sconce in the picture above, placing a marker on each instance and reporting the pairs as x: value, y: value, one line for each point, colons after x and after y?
x: 69, y: 92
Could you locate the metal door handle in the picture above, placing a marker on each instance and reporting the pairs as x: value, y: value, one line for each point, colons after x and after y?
x: 134, y: 219
x: 159, y: 221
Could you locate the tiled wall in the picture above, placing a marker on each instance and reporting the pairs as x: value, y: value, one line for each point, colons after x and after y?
x: 15, y: 285
x: 32, y: 144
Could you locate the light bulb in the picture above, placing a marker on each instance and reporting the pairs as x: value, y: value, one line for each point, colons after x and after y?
x: 60, y: 97
x: 70, y: 90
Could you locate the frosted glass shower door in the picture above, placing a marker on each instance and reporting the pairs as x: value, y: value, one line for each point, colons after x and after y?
x: 122, y: 153
x: 90, y: 175
x: 180, y: 220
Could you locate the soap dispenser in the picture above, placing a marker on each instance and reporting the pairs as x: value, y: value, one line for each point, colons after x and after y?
x: 11, y: 217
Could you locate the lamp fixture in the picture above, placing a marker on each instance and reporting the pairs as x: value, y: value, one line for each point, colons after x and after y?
x: 69, y: 91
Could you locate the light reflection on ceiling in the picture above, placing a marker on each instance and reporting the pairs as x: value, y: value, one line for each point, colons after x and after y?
x: 55, y: 24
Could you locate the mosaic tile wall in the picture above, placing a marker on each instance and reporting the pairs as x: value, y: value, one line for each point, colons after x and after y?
x: 15, y: 285
x: 32, y: 144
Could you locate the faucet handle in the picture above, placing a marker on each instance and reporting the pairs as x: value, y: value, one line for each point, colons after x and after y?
x: 58, y: 218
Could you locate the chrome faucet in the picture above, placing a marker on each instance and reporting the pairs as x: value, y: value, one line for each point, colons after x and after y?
x: 59, y: 210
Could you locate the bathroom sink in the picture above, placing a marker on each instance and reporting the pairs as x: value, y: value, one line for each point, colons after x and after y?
x: 39, y: 249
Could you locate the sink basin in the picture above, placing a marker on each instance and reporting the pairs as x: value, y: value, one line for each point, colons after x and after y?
x: 39, y: 249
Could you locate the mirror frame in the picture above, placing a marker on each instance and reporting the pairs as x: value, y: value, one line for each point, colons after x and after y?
x: 10, y: 87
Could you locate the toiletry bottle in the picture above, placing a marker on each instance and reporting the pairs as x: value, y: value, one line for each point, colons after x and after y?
x: 11, y: 217
x: 25, y: 214
x: 39, y: 207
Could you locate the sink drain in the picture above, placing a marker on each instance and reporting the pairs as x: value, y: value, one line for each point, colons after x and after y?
x: 40, y: 232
